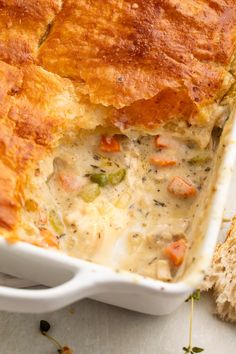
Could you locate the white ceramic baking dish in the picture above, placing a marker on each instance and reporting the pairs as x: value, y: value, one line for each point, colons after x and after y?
x: 70, y: 279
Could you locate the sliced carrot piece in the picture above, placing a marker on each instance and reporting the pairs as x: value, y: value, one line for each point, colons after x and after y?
x: 176, y: 252
x: 181, y: 187
x: 156, y: 161
x: 69, y: 182
x: 49, y: 238
x: 109, y: 144
x: 163, y: 142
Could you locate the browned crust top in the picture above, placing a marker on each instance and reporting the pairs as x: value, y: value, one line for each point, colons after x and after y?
x: 127, y: 51
x: 148, y: 60
x: 22, y: 25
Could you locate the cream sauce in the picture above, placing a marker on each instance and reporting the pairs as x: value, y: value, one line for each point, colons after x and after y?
x: 127, y: 226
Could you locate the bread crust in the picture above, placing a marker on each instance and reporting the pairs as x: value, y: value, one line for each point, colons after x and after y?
x: 221, y: 276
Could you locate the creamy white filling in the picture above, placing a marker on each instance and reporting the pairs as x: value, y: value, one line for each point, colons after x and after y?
x: 127, y: 225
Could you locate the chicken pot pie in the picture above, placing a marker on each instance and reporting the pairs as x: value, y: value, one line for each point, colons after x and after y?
x: 111, y: 114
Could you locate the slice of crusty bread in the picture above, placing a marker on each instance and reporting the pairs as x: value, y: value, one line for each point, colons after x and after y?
x: 222, y: 277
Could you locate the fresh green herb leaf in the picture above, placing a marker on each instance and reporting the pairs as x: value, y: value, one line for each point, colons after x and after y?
x: 196, y: 296
x: 197, y: 350
x: 44, y: 326
x: 188, y: 350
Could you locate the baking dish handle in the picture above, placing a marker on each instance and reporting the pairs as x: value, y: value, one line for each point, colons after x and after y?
x: 67, y: 279
x: 82, y: 284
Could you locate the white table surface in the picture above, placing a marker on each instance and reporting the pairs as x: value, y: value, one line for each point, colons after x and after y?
x: 90, y: 327
x: 95, y: 328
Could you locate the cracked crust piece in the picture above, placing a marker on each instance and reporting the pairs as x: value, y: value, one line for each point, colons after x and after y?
x: 222, y: 275
x: 23, y: 24
x: 37, y: 107
x: 170, y: 57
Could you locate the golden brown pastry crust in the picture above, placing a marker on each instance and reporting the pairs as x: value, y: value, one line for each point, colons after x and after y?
x: 38, y: 107
x: 167, y: 105
x: 126, y: 51
x: 149, y: 61
x: 22, y: 26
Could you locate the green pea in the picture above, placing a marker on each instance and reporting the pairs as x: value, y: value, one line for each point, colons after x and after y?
x: 90, y: 192
x: 99, y: 178
x: 117, y: 177
x: 56, y: 222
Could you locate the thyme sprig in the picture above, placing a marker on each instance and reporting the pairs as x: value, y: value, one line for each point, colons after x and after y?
x: 190, y: 349
x: 194, y: 296
x: 44, y: 327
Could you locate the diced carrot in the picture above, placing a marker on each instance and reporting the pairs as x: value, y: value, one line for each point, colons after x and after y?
x: 156, y: 161
x: 176, y: 252
x: 49, y: 238
x: 70, y: 182
x: 181, y: 187
x: 109, y: 144
x: 161, y: 141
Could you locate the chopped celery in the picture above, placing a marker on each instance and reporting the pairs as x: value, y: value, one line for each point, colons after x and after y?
x: 102, y: 179
x: 56, y: 222
x: 99, y: 178
x: 90, y: 192
x: 117, y: 177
